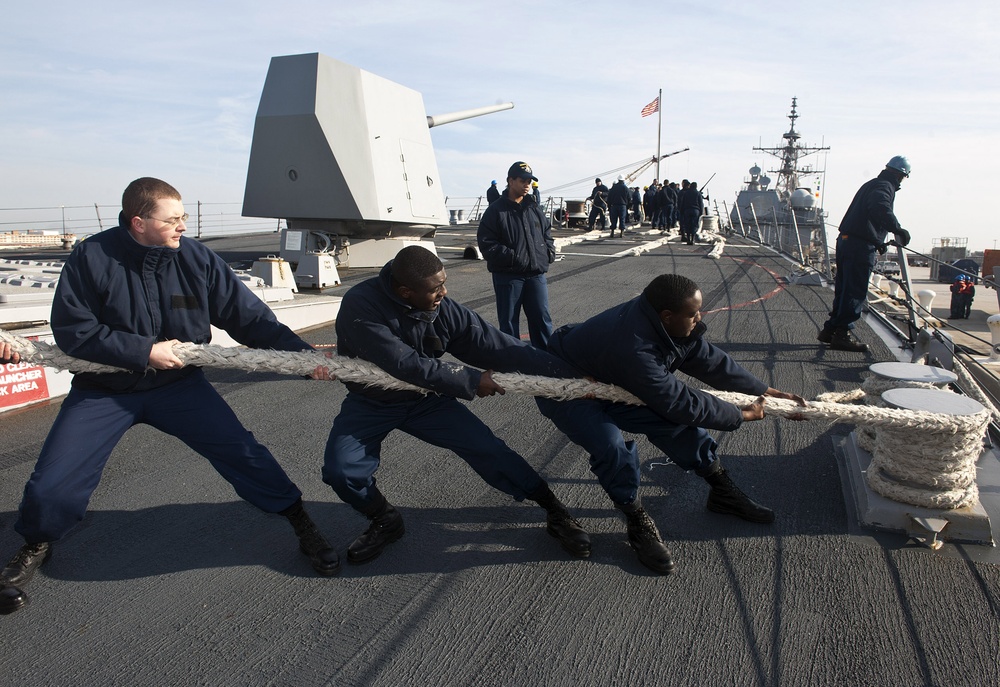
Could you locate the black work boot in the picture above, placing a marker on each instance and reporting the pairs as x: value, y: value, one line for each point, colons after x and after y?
x: 825, y: 335
x: 386, y: 527
x: 11, y: 599
x: 21, y: 568
x: 645, y: 539
x: 324, y: 559
x: 727, y: 498
x: 843, y: 340
x: 561, y: 525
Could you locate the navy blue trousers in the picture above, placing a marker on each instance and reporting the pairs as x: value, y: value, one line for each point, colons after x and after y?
x: 689, y: 222
x: 619, y: 215
x: 354, y: 449
x: 855, y: 262
x: 517, y: 291
x: 597, y: 427
x: 90, y: 424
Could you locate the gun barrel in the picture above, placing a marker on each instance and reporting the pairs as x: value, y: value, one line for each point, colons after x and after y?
x: 438, y: 120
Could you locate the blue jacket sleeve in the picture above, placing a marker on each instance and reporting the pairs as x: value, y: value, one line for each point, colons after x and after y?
x: 674, y: 400
x: 476, y: 342
x: 366, y: 327
x: 495, y: 252
x: 878, y: 207
x: 714, y: 367
x: 235, y: 309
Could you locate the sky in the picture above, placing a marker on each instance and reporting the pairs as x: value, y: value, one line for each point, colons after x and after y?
x: 93, y: 95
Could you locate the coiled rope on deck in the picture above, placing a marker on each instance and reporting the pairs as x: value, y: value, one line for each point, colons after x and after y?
x: 955, y: 441
x: 935, y: 468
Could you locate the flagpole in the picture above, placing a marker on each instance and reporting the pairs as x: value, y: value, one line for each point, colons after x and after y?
x: 659, y: 124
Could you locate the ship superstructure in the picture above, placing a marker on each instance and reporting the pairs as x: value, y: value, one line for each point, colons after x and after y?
x: 788, y: 215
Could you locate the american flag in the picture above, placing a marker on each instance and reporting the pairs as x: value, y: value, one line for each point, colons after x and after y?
x: 652, y: 107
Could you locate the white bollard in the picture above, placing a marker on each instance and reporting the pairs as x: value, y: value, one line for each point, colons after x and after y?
x: 894, y: 289
x: 993, y: 322
x: 926, y: 298
x: 876, y: 280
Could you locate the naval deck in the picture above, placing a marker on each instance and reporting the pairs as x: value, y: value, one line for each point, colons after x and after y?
x: 171, y: 579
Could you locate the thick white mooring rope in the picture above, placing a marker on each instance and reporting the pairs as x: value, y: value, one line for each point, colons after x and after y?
x: 934, y: 469
x: 953, y: 442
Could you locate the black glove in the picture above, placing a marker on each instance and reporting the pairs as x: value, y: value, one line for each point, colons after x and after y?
x: 903, y: 236
x: 883, y: 248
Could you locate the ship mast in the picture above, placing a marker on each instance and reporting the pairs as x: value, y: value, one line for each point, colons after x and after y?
x: 789, y: 154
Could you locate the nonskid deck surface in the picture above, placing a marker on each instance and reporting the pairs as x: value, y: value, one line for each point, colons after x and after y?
x: 172, y: 579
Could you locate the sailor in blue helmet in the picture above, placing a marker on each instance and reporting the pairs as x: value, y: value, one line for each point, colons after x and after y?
x: 492, y: 193
x: 125, y: 297
x: 869, y: 219
x: 963, y: 291
x: 956, y: 297
x: 656, y: 334
x: 403, y: 322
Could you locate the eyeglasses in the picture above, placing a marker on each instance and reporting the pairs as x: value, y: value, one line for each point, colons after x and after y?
x: 172, y: 221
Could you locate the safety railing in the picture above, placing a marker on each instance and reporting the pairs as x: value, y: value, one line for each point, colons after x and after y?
x: 207, y: 219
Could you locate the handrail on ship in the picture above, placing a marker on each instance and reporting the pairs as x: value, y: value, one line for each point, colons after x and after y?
x: 922, y: 337
x: 925, y: 339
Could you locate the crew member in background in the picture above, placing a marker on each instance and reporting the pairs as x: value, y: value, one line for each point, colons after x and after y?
x: 691, y: 206
x: 673, y: 220
x: 598, y: 205
x: 536, y: 193
x: 403, y: 322
x: 618, y: 200
x: 492, y: 193
x: 636, y: 206
x: 963, y: 290
x: 515, y: 238
x: 125, y: 297
x: 666, y: 199
x: 647, y: 202
x: 867, y: 222
x: 638, y: 346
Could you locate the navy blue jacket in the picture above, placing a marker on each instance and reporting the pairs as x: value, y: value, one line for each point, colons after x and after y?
x: 116, y: 298
x: 870, y: 216
x: 375, y: 324
x: 516, y: 238
x: 691, y: 199
x: 619, y: 194
x: 599, y: 197
x: 627, y: 346
x: 666, y: 197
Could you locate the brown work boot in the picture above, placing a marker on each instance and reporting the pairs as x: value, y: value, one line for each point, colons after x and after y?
x: 843, y: 340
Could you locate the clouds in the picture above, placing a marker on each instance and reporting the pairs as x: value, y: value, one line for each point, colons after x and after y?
x: 120, y: 90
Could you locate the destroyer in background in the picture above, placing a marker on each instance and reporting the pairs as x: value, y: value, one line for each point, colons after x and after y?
x: 787, y: 216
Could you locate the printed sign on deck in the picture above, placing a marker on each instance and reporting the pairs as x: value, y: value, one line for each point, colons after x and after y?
x: 22, y: 383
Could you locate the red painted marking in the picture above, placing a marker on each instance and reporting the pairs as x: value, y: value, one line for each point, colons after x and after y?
x: 22, y: 383
x: 778, y: 289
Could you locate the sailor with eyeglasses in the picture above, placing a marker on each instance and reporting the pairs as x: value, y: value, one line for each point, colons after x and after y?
x: 125, y: 297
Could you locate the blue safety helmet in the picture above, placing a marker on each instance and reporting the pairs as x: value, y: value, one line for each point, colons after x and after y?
x: 900, y: 164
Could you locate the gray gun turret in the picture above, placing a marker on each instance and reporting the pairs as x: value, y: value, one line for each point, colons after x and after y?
x: 345, y: 158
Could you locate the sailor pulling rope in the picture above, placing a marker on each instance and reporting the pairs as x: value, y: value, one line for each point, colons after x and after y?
x: 356, y: 370
x: 956, y: 439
